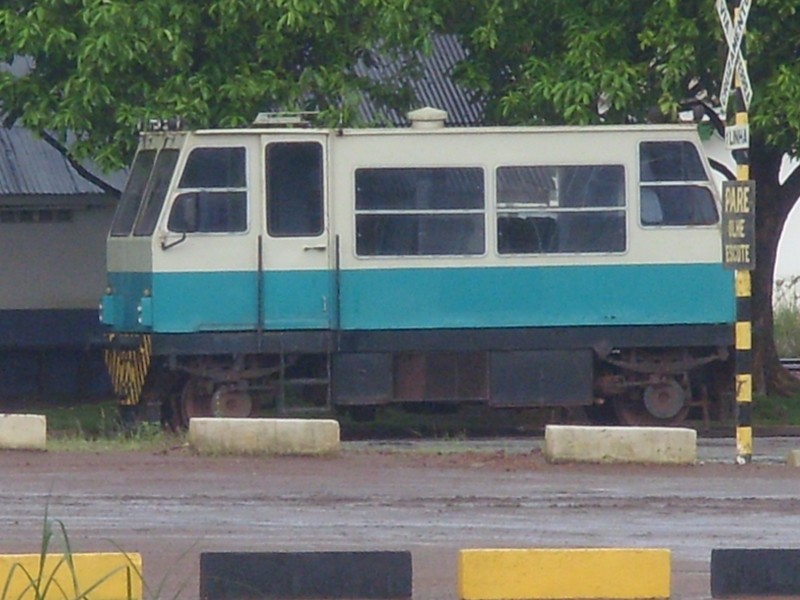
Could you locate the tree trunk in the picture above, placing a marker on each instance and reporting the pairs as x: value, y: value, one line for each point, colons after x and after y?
x: 774, y: 202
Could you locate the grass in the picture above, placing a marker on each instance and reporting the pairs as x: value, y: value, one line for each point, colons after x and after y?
x: 94, y: 427
x: 56, y: 576
x: 786, y: 316
x: 776, y: 411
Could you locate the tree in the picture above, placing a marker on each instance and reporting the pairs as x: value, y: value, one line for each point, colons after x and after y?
x: 592, y: 61
x: 100, y: 67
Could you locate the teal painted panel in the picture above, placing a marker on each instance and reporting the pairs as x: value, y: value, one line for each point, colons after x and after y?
x: 298, y: 299
x: 228, y: 301
x: 120, y: 308
x: 536, y: 297
x: 433, y: 298
x: 212, y: 301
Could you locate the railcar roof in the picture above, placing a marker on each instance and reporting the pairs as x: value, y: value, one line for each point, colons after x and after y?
x: 452, y: 130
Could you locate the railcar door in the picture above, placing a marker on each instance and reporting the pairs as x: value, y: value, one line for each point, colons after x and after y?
x: 297, y: 290
x: 205, y: 259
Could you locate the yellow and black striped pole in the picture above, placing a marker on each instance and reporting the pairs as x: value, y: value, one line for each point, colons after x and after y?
x: 744, y: 329
x: 744, y: 369
x: 738, y: 217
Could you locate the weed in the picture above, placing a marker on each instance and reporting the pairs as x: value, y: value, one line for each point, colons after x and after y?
x: 55, y: 576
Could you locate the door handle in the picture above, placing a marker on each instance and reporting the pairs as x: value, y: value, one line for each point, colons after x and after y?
x: 319, y: 248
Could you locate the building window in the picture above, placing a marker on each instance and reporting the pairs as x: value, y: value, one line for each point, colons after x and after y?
x: 420, y: 211
x: 45, y: 215
x: 561, y: 209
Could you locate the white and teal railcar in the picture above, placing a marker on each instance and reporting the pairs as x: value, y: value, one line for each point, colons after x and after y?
x: 325, y: 268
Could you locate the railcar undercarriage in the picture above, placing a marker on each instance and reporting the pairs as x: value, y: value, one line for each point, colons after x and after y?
x: 628, y: 386
x: 660, y: 386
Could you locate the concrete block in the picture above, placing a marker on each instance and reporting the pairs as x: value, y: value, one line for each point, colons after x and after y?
x: 108, y: 575
x: 651, y: 445
x: 793, y: 458
x: 264, y: 436
x: 560, y: 574
x: 755, y: 572
x: 23, y: 432
x: 308, y: 575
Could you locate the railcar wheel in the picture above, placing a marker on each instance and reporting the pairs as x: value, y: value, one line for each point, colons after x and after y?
x: 229, y: 402
x: 659, y: 404
x: 195, y: 400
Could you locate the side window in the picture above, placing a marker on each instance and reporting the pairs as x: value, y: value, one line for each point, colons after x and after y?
x: 213, y: 196
x: 132, y: 196
x: 419, y: 211
x: 674, y: 189
x: 156, y: 192
x: 560, y: 209
x: 295, y: 180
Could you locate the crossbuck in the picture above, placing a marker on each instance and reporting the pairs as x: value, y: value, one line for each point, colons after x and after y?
x: 734, y: 32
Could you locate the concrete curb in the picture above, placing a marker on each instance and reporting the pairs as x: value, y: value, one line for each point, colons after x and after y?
x: 264, y: 436
x: 755, y: 572
x: 561, y: 574
x: 308, y: 575
x: 23, y: 432
x: 647, y: 445
x: 109, y: 575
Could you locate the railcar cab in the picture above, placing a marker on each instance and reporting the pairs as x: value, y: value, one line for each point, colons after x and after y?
x: 194, y: 234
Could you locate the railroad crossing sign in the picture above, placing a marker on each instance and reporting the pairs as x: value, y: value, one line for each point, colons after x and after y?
x: 735, y: 61
x: 737, y: 137
x: 739, y: 225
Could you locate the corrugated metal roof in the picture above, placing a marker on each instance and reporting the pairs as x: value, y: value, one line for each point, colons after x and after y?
x: 434, y: 86
x: 30, y: 166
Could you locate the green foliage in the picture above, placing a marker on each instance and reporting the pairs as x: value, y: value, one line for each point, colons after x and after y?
x: 776, y: 411
x: 76, y: 426
x: 787, y: 317
x: 79, y: 419
x: 556, y: 61
x: 100, y: 67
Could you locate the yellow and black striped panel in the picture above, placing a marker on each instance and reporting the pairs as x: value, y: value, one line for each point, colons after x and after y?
x: 128, y: 366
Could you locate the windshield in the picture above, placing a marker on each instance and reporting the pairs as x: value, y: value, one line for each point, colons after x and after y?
x: 156, y: 192
x: 132, y: 196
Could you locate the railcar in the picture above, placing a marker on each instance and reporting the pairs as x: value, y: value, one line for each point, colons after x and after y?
x: 296, y: 268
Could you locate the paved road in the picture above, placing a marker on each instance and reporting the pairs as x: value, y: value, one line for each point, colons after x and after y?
x: 722, y: 450
x: 432, y: 498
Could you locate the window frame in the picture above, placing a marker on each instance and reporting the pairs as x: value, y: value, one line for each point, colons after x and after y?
x: 546, y: 210
x: 200, y: 192
x: 481, y: 211
x: 704, y: 184
x: 320, y: 204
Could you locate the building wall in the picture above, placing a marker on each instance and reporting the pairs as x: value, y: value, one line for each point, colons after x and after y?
x: 55, y: 264
x: 52, y: 274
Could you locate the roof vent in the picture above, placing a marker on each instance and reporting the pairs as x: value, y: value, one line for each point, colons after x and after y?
x: 283, y: 119
x: 427, y: 118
